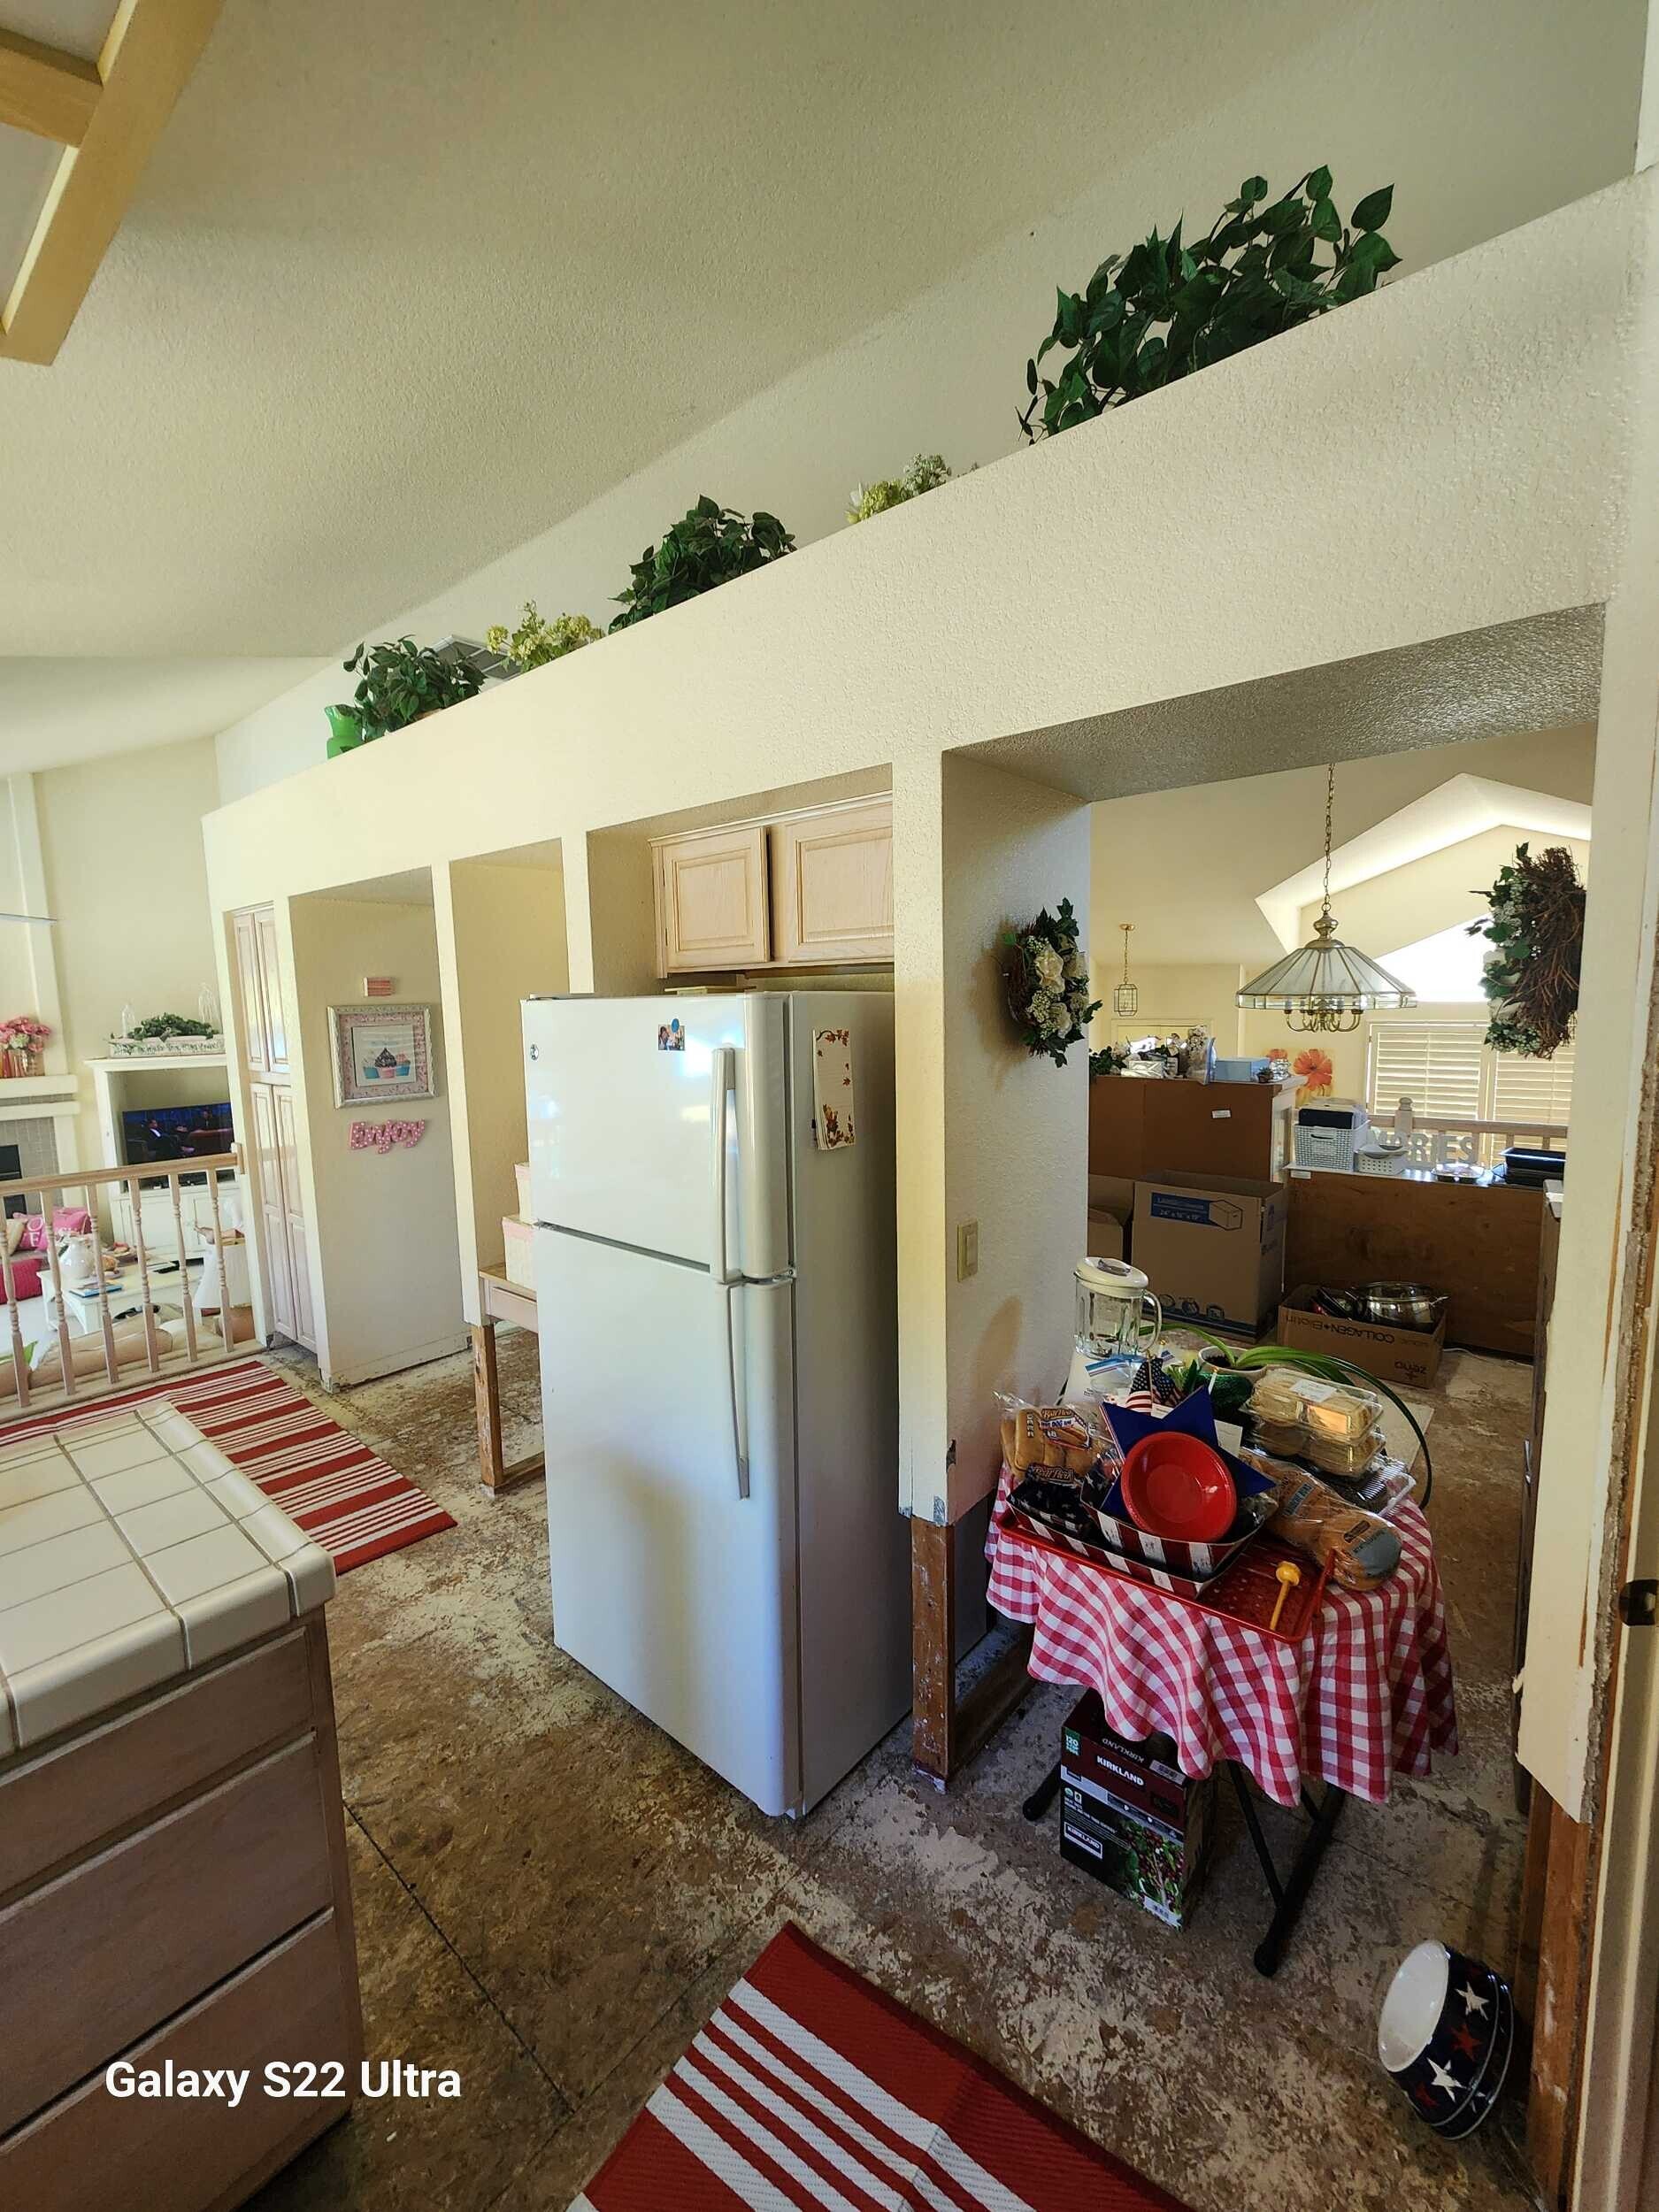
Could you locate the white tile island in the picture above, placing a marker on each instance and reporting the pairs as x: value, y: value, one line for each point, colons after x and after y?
x: 172, y: 1871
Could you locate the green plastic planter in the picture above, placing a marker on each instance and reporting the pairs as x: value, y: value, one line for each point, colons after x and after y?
x: 345, y: 731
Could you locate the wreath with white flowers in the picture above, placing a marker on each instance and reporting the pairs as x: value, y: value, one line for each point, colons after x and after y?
x: 1046, y: 978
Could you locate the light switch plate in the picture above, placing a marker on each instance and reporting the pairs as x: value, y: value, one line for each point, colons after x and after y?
x: 967, y: 1250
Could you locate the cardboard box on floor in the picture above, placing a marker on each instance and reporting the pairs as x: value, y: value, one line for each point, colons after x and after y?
x: 1212, y: 1247
x: 1397, y: 1356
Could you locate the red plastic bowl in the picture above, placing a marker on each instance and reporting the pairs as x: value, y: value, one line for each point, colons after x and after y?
x: 1178, y: 1486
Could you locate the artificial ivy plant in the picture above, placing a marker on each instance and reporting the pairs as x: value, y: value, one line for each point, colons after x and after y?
x: 537, y: 640
x: 709, y: 546
x: 398, y: 681
x: 926, y: 473
x: 155, y: 1027
x: 1536, y: 931
x: 1167, y: 308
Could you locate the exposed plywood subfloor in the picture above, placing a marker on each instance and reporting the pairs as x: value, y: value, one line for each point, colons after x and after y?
x: 552, y: 1897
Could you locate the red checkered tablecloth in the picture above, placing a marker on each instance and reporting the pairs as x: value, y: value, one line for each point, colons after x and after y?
x: 1366, y: 1696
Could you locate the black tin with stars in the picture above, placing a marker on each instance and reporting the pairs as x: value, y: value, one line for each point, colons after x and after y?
x: 1446, y: 2036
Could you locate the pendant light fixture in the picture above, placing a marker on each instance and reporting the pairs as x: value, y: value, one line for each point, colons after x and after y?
x: 1125, y: 998
x: 1325, y: 984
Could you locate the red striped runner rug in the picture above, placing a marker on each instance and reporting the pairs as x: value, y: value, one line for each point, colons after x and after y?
x: 809, y: 2088
x: 343, y: 1496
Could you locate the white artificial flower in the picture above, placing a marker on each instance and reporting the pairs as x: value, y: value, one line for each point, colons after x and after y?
x: 1076, y: 967
x: 1050, y: 968
x: 1038, y: 1012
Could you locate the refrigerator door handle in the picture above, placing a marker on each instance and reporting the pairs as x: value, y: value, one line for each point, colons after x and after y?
x: 722, y: 1082
x: 739, y: 1442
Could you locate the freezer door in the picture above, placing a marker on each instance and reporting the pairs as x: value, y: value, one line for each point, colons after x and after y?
x: 635, y: 1136
x: 670, y: 1583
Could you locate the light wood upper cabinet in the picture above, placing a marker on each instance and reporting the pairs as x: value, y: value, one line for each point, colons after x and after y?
x: 711, y: 900
x: 832, y: 885
x: 809, y: 889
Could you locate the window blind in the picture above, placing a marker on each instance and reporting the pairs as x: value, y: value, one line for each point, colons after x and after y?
x: 1532, y: 1090
x: 1437, y: 1065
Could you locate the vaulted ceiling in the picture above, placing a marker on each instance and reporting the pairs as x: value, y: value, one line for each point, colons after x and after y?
x: 405, y: 282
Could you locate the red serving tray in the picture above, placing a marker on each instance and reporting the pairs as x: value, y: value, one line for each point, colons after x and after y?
x: 1246, y: 1591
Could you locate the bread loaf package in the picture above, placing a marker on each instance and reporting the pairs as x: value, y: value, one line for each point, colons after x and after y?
x: 1363, y: 1551
x: 1053, y: 1437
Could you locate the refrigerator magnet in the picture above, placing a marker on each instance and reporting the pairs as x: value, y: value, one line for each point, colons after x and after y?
x: 832, y: 1089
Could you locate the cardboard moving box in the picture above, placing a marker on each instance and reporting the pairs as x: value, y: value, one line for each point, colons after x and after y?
x: 1395, y: 1355
x: 1212, y: 1247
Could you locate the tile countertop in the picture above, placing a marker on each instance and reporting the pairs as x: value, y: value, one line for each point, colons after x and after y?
x: 131, y: 1550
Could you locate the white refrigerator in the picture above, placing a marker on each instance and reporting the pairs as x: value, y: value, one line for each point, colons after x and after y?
x: 717, y: 1321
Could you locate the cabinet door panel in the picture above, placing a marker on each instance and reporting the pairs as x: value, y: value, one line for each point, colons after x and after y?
x: 833, y: 885
x: 271, y: 987
x: 272, y: 1214
x: 711, y: 900
x: 251, y: 993
x: 294, y: 1218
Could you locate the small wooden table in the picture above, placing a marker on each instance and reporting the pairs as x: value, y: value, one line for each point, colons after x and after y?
x: 499, y: 1300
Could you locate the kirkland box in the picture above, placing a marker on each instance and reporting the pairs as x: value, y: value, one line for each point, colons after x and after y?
x: 1212, y: 1247
x: 1397, y: 1356
x: 1130, y: 1816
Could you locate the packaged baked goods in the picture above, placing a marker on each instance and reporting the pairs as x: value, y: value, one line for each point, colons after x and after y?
x: 1362, y: 1549
x: 1053, y: 1438
x: 1330, y: 1426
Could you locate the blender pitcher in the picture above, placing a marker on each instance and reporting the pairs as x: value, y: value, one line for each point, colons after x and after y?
x: 1117, y: 1318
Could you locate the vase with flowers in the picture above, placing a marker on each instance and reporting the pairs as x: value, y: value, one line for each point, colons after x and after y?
x: 21, y: 1039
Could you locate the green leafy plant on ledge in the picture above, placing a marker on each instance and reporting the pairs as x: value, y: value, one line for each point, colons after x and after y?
x: 1536, y: 932
x: 399, y: 681
x: 1165, y: 308
x: 537, y: 640
x: 926, y: 473
x: 708, y: 547
x: 159, y: 1025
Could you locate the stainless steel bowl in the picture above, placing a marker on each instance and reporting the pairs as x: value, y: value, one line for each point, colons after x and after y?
x: 1400, y: 1305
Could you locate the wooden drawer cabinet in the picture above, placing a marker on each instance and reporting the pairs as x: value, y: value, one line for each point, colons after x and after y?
x: 712, y: 907
x: 58, y: 1806
x: 173, y: 2155
x: 809, y: 889
x: 832, y: 885
x: 173, y: 1884
x: 100, y: 1956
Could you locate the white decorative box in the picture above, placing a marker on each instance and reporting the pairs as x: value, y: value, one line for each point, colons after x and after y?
x: 519, y: 1238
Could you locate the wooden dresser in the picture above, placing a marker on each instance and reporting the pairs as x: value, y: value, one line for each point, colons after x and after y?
x: 173, y: 1886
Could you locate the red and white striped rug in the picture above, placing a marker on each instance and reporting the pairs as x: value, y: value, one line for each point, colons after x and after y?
x: 343, y: 1496
x: 809, y: 2089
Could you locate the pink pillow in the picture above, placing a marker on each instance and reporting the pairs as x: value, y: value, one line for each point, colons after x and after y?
x: 71, y: 1221
x: 33, y: 1237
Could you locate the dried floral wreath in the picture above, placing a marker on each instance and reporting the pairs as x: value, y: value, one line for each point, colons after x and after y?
x: 1536, y: 931
x: 1046, y: 978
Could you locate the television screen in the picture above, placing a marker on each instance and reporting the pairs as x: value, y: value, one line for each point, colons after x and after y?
x: 152, y: 1135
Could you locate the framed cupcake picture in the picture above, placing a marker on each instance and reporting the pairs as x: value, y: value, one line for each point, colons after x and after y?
x: 380, y: 1053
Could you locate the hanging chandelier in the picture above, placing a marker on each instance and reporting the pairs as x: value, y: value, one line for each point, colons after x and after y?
x: 1125, y: 998
x: 1324, y: 985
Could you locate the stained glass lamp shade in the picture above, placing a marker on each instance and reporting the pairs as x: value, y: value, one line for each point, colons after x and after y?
x: 1324, y: 985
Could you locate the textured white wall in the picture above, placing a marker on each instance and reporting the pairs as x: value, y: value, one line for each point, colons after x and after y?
x: 385, y: 1262
x: 1484, y: 114
x: 126, y: 876
x: 1372, y: 481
